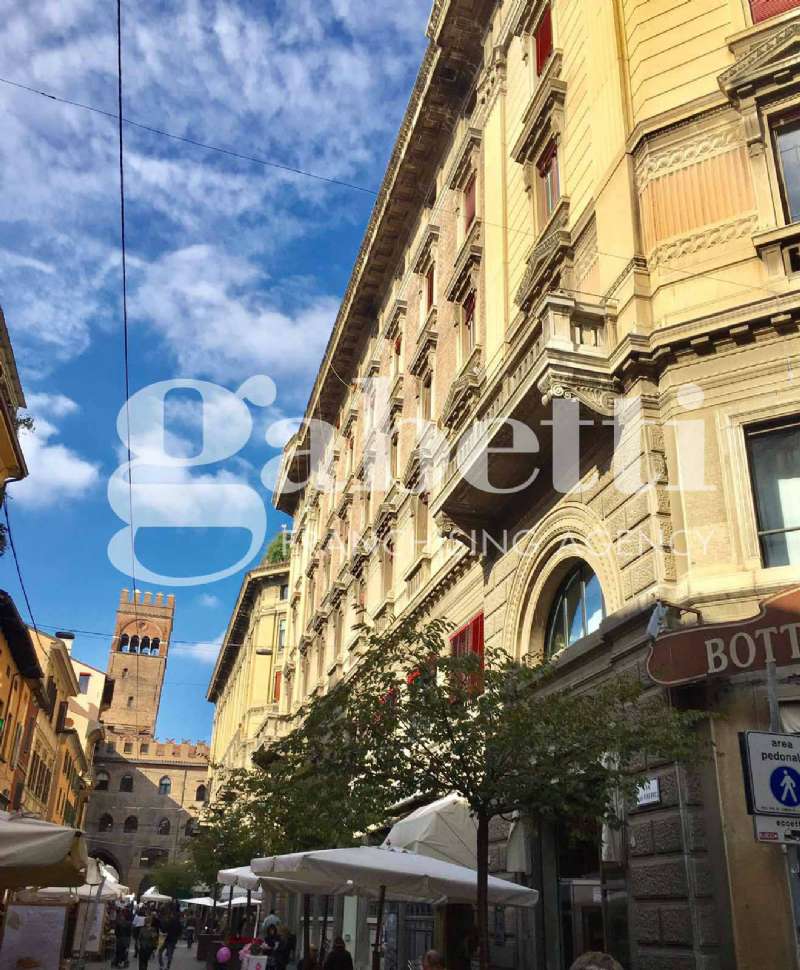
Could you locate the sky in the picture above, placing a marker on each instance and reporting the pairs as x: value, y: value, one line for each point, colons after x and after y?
x: 235, y: 274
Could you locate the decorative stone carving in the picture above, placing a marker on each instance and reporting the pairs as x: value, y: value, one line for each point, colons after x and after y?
x: 655, y: 164
x: 544, y: 118
x: 694, y: 242
x: 599, y: 396
x: 426, y: 344
x: 449, y: 530
x: 545, y: 258
x: 465, y: 272
x: 772, y: 63
x: 464, y: 392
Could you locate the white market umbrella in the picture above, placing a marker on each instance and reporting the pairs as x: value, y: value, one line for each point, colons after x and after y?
x: 152, y: 895
x: 37, y: 853
x: 444, y: 829
x: 371, y: 871
x: 243, y: 877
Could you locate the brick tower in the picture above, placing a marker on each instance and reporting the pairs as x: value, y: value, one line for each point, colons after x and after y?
x: 137, y: 661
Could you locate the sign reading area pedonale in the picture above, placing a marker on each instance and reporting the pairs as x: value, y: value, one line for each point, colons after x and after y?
x: 730, y: 648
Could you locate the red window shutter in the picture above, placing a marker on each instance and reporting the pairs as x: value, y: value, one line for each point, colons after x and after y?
x: 764, y: 9
x: 543, y: 36
x: 276, y: 691
x: 469, y: 203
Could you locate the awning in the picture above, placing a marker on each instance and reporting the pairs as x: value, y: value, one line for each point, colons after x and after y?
x: 243, y: 877
x: 444, y: 829
x: 365, y: 870
x: 152, y: 895
x: 98, y: 875
x: 36, y: 853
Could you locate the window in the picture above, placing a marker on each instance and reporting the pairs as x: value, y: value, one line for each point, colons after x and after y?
x: 284, y: 592
x: 83, y: 683
x: 467, y: 327
x: 394, y: 445
x: 145, y: 644
x: 470, y: 207
x: 774, y: 455
x: 430, y: 288
x: 549, y: 189
x: 164, y: 826
x: 130, y: 701
x: 106, y: 823
x: 543, y: 40
x: 387, y: 572
x: 191, y: 827
x: 131, y: 824
x: 276, y: 687
x: 577, y: 611
x: 165, y: 786
x: 426, y: 397
x: 152, y: 856
x: 397, y: 355
x: 126, y: 783
x: 155, y: 646
x: 764, y: 9
x: 787, y: 144
x: 468, y: 641
x: 281, y: 633
x: 144, y: 748
x: 127, y: 748
x: 134, y: 644
x: 124, y: 643
x: 421, y: 515
x: 124, y: 672
x: 200, y: 794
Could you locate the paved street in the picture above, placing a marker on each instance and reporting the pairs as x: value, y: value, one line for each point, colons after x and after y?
x: 184, y: 960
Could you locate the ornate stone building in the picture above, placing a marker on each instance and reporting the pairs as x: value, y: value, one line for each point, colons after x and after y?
x: 147, y: 792
x: 591, y: 213
x: 246, y: 683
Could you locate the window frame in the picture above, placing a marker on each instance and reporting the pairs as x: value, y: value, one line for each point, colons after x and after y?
x: 750, y: 431
x: 580, y: 569
x: 542, y: 38
x: 548, y: 195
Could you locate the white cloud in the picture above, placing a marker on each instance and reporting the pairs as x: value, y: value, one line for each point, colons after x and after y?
x: 52, y: 405
x: 204, y: 653
x: 57, y: 473
x: 209, y: 601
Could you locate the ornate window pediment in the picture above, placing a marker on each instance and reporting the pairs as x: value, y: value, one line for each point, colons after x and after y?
x: 466, y: 159
x: 395, y: 320
x: 426, y: 345
x: 464, y: 392
x: 766, y: 67
x: 546, y: 258
x: 425, y: 252
x: 465, y: 272
x: 543, y: 122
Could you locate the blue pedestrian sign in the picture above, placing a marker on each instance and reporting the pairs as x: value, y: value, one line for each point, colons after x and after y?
x: 771, y: 764
x: 785, y: 786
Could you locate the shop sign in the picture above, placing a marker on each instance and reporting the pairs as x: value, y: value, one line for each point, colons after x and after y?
x: 772, y: 773
x: 730, y: 648
x: 780, y: 831
x: 648, y: 793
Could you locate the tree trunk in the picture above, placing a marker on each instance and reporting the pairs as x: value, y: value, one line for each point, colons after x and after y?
x: 483, y: 890
x: 306, y: 925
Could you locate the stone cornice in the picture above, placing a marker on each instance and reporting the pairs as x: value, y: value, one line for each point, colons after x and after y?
x: 545, y: 257
x: 544, y: 117
x: 464, y: 163
x: 464, y: 278
x: 773, y: 62
x: 424, y: 254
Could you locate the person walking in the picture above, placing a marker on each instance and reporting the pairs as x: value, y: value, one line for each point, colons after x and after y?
x: 595, y: 961
x: 271, y: 920
x: 136, y: 929
x: 173, y: 930
x: 122, y: 939
x: 339, y: 958
x: 148, y: 941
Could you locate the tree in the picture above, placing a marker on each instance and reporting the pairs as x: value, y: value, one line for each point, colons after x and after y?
x: 175, y: 879
x: 497, y: 732
x: 278, y: 549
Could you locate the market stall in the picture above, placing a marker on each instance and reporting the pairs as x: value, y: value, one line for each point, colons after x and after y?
x: 36, y: 853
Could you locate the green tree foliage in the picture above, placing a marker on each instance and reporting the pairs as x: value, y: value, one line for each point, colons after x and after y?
x: 175, y: 879
x: 278, y: 549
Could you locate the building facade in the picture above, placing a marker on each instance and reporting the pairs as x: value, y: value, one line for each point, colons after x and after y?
x: 147, y: 792
x: 589, y: 230
x: 245, y: 685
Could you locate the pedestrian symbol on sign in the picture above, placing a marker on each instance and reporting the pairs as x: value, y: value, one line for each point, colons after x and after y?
x: 785, y: 785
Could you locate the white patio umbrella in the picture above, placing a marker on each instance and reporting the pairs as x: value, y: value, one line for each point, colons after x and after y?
x: 152, y: 895
x: 367, y: 870
x: 444, y: 829
x: 242, y: 876
x: 37, y: 853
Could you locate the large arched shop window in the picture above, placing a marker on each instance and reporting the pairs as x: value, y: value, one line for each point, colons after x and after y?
x: 577, y: 611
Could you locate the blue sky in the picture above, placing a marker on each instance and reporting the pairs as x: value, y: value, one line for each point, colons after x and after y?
x: 235, y: 270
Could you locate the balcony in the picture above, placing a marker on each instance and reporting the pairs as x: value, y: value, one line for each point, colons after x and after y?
x: 559, y: 352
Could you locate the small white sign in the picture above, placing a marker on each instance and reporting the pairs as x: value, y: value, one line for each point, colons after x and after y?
x: 772, y: 762
x: 648, y: 793
x: 768, y: 828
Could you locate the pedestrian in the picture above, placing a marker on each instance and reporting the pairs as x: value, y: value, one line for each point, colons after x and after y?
x: 339, y: 958
x: 310, y: 960
x: 270, y: 945
x: 173, y: 929
x: 596, y: 961
x: 270, y: 920
x: 432, y: 961
x: 190, y: 925
x: 148, y: 941
x: 122, y: 939
x: 136, y: 929
x: 283, y: 951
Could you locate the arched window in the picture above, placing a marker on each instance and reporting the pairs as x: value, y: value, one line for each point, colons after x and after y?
x: 126, y: 783
x: 164, y: 826
x: 200, y: 794
x: 191, y: 826
x: 165, y: 785
x: 577, y: 611
x: 134, y: 644
x: 131, y: 824
x: 155, y: 645
x: 106, y: 823
x: 124, y: 644
x: 101, y: 781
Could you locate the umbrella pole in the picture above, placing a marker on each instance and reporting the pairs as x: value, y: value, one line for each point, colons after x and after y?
x: 230, y: 904
x: 324, y: 938
x: 306, y: 925
x: 247, y: 911
x: 85, y: 929
x: 376, y: 952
